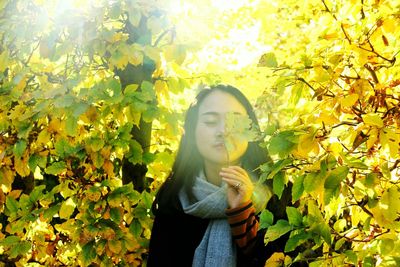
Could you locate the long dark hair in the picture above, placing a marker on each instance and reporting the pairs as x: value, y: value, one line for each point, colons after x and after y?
x: 188, y: 162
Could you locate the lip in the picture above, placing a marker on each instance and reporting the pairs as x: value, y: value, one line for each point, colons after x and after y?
x: 219, y: 145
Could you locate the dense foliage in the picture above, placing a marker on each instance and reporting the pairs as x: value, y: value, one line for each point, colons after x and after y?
x: 91, y: 92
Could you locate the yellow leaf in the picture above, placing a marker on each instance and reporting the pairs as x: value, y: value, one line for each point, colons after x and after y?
x: 115, y: 246
x: 15, y: 194
x: 307, y: 144
x: 373, y: 119
x: 335, y: 148
x: 43, y: 137
x: 130, y: 88
x: 6, y: 179
x: 153, y: 53
x: 175, y: 53
x: 67, y: 208
x: 389, y: 25
x: 276, y: 260
x: 386, y: 212
x: 21, y: 166
x: 4, y: 61
x: 21, y: 84
x: 38, y: 174
x: 321, y: 75
x: 349, y: 100
x: 362, y: 55
x: 132, y: 115
x: 373, y: 137
x: 327, y: 118
x: 54, y: 126
x: 109, y: 168
x: 390, y: 139
x: 136, y: 58
x: 118, y: 59
x: 161, y: 88
x: 332, y: 35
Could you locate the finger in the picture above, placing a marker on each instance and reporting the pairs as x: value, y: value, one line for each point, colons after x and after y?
x: 239, y: 169
x: 238, y: 185
x: 225, y: 172
x: 235, y: 178
x: 233, y: 171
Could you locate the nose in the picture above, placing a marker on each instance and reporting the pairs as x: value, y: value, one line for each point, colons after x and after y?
x: 221, y: 129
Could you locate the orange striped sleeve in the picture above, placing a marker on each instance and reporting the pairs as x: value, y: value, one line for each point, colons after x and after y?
x: 243, y: 222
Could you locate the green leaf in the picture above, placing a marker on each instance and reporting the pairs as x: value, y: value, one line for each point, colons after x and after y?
x: 136, y: 228
x: 19, y: 148
x: 266, y: 219
x: 64, y: 101
x: 150, y: 113
x: 296, y: 93
x: 115, y: 214
x: 71, y: 126
x: 335, y: 177
x: 10, y: 240
x: 282, y: 143
x: 37, y: 193
x: 278, y: 183
x: 134, y: 16
x: 146, y: 199
x: 51, y: 211
x: 89, y: 252
x: 340, y: 243
x: 274, y: 169
x: 268, y: 60
x: 147, y: 91
x: 19, y: 249
x: 12, y: 205
x: 130, y: 89
x: 149, y: 157
x: 368, y: 262
x: 135, y: 152
x: 311, y: 182
x: 56, y: 168
x: 324, y: 231
x: 298, y: 187
x: 36, y: 160
x: 95, y: 143
x: 63, y: 148
x: 277, y: 230
x: 79, y: 108
x: 296, y: 240
x: 352, y: 256
x: 294, y: 216
x: 23, y: 129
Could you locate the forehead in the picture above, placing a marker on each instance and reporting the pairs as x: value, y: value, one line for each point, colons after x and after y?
x: 221, y: 102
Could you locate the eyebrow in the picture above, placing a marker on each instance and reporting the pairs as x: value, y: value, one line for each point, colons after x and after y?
x: 214, y: 113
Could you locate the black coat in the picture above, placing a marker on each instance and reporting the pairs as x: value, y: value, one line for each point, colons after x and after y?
x: 175, y: 235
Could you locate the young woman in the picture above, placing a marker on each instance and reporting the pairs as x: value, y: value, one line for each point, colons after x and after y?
x: 205, y: 211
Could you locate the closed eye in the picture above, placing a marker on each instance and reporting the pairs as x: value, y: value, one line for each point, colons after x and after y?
x: 210, y: 123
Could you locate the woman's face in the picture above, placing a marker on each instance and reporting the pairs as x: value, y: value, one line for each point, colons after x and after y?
x: 210, y: 129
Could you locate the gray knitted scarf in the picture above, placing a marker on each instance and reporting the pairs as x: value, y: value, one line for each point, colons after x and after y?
x: 216, y: 248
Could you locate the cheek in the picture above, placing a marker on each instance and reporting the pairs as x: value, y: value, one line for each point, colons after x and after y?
x: 203, y: 135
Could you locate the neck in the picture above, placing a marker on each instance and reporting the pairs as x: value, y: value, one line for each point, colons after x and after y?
x: 211, y: 170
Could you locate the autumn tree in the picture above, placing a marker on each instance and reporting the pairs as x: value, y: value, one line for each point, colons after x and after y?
x: 82, y: 83
x: 339, y: 85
